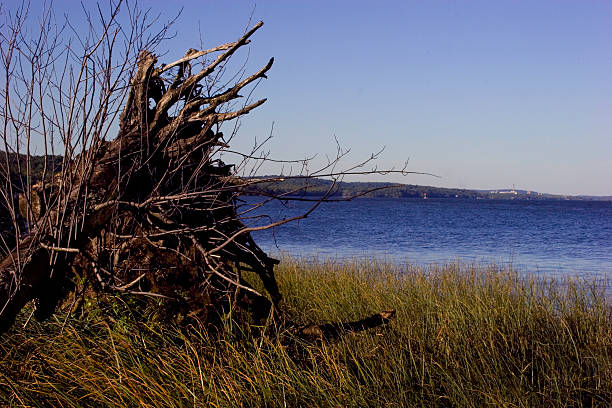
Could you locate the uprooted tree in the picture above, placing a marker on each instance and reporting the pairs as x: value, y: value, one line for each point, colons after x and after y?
x: 151, y: 211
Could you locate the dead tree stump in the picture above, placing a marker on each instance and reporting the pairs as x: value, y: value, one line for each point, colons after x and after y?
x: 152, y: 212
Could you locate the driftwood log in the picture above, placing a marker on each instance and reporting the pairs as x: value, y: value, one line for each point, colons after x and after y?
x: 152, y: 212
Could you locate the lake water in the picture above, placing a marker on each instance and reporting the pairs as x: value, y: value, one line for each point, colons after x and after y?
x: 552, y: 238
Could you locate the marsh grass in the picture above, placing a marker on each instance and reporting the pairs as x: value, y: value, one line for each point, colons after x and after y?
x: 466, y: 336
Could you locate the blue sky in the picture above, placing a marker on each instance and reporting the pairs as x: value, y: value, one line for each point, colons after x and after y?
x: 485, y: 94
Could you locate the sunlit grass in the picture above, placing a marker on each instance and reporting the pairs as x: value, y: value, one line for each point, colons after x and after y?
x: 466, y: 336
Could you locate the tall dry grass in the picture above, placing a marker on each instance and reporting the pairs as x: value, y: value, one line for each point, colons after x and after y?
x: 464, y: 336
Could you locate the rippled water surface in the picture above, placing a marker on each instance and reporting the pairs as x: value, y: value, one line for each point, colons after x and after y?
x: 549, y: 237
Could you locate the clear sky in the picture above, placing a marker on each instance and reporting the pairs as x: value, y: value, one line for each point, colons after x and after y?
x: 485, y: 94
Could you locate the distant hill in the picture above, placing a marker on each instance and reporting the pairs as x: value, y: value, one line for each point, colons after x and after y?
x: 302, y: 187
x: 17, y: 166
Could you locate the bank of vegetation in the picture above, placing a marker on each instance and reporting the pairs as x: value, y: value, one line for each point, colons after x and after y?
x: 464, y: 336
x: 317, y: 187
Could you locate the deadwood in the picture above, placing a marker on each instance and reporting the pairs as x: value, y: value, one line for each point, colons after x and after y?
x: 152, y: 211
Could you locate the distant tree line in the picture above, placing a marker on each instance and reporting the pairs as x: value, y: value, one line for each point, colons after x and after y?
x: 13, y: 169
x: 316, y: 187
x: 18, y: 164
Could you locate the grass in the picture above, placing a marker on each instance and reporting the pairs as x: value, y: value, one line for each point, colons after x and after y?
x: 464, y: 336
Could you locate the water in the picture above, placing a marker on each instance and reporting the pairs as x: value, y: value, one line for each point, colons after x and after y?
x: 553, y: 238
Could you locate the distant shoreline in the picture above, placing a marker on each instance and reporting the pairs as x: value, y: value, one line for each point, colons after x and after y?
x: 301, y: 188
